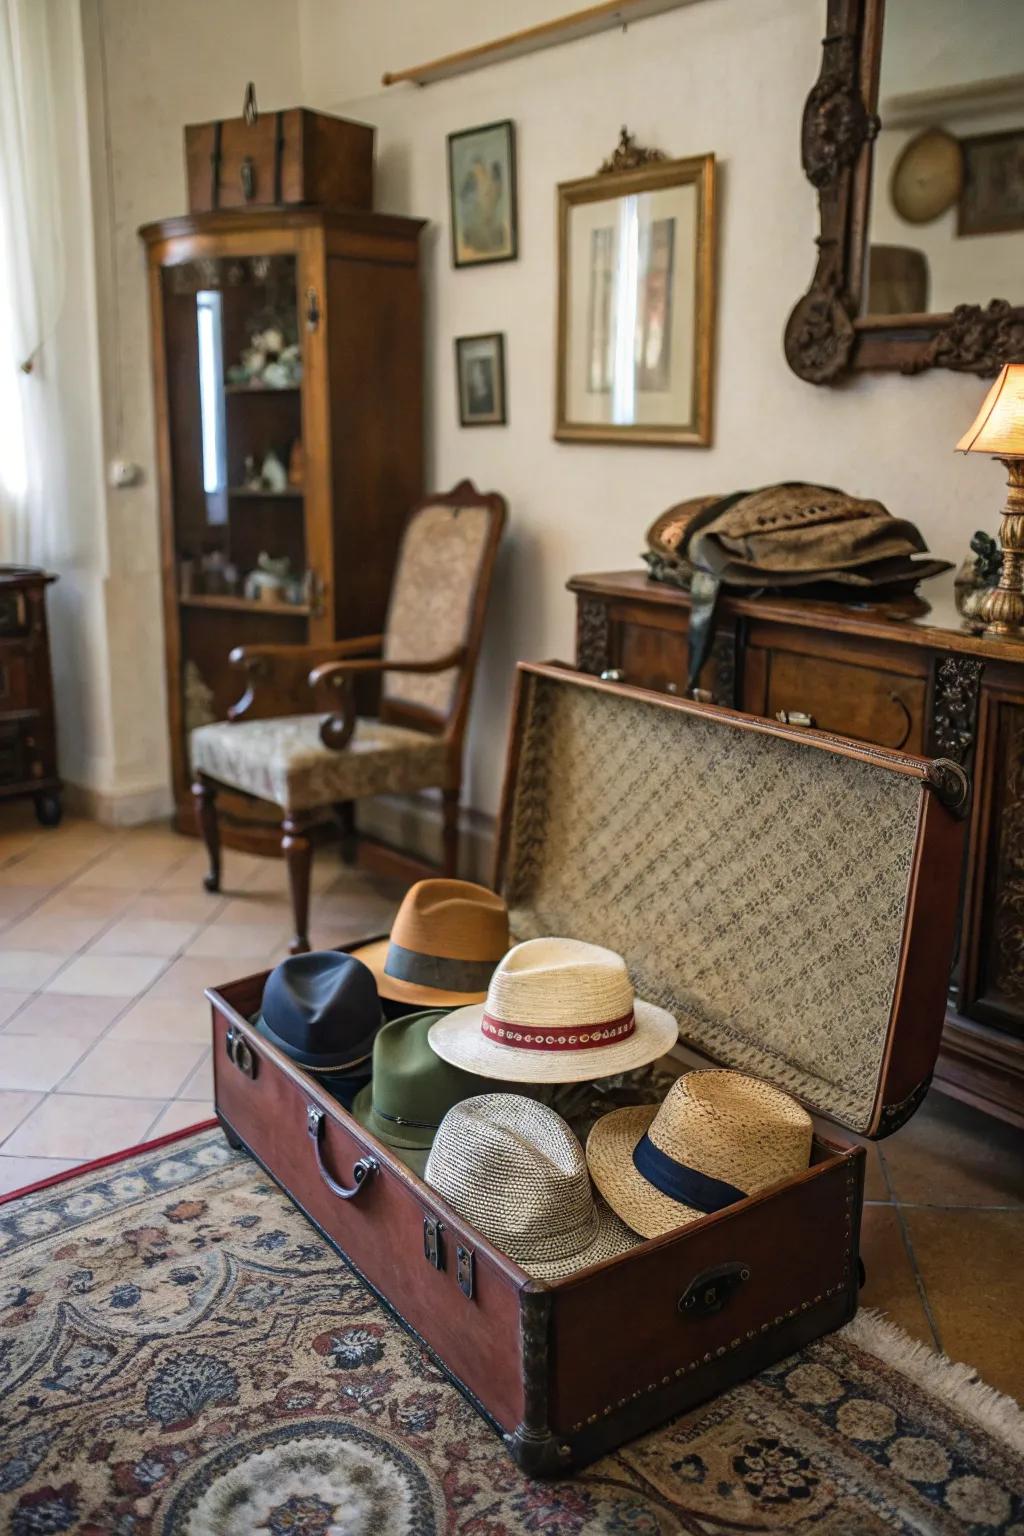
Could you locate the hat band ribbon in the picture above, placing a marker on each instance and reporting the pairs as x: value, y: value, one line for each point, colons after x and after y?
x: 558, y: 1037
x: 686, y: 1185
x: 419, y: 1125
x: 437, y: 971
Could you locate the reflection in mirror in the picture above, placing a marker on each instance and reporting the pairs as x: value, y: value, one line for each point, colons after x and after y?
x: 947, y: 204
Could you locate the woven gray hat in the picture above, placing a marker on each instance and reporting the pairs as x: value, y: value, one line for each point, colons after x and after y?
x: 515, y: 1170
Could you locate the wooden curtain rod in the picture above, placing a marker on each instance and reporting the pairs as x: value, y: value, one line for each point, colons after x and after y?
x: 548, y: 34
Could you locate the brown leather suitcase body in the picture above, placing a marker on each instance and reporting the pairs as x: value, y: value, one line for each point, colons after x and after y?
x: 273, y: 158
x: 791, y: 897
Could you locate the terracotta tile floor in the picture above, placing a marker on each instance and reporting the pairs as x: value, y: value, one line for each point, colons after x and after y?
x: 107, y: 940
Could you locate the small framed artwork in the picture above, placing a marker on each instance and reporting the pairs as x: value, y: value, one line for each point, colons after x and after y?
x: 636, y: 265
x: 992, y: 196
x: 482, y: 188
x: 480, y: 375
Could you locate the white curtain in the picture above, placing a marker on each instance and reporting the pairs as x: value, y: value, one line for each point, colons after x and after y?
x: 33, y: 461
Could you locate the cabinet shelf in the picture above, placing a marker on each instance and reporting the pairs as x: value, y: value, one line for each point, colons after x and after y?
x: 262, y: 389
x: 246, y: 605
x: 240, y: 493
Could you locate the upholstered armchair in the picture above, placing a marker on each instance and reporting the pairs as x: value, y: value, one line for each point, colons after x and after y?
x: 315, y: 764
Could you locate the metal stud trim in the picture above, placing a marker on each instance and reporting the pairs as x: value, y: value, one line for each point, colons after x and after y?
x: 804, y: 1306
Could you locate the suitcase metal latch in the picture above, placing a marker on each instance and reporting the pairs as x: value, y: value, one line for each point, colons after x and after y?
x: 241, y: 1053
x: 433, y: 1247
x: 709, y: 1292
x: 464, y: 1270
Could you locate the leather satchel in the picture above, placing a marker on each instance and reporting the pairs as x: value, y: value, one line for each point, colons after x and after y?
x: 795, y: 536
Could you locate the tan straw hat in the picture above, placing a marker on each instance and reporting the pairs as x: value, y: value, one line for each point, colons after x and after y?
x: 557, y: 1011
x: 515, y: 1170
x: 447, y: 937
x: 718, y: 1137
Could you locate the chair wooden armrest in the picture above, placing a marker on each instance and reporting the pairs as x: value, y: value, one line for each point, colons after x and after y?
x: 336, y: 730
x: 334, y: 671
x: 276, y: 675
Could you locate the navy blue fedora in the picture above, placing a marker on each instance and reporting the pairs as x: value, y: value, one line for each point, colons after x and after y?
x: 323, y: 1011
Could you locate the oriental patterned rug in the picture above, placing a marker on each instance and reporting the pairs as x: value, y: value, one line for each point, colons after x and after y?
x: 180, y: 1352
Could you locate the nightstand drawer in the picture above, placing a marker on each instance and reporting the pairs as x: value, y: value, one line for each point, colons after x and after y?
x: 867, y: 703
x: 13, y: 753
x: 14, y: 684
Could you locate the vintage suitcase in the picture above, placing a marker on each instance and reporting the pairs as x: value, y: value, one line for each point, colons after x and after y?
x: 791, y: 897
x: 267, y: 159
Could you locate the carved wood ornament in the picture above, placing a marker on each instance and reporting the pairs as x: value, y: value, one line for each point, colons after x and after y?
x: 826, y: 335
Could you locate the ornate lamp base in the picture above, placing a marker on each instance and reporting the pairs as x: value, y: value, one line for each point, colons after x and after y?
x: 1001, y: 610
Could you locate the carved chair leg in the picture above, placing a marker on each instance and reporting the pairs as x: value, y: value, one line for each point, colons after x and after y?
x: 205, y: 800
x: 450, y: 832
x: 298, y: 853
x: 346, y: 813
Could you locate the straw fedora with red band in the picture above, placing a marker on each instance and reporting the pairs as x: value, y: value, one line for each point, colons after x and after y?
x: 447, y: 937
x: 556, y: 1011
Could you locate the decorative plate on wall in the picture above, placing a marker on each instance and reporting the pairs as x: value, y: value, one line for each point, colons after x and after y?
x: 927, y: 177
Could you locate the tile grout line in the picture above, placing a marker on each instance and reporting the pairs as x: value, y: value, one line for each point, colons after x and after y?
x: 120, y: 840
x: 908, y: 1246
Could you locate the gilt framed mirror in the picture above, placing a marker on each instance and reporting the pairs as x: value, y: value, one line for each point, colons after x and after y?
x: 913, y: 137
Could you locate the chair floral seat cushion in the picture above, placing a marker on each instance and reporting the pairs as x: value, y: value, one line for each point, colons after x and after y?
x: 284, y: 760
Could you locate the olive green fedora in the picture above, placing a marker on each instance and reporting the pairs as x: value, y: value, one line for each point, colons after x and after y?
x: 411, y: 1090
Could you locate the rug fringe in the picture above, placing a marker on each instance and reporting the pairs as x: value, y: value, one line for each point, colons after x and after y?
x: 959, y: 1385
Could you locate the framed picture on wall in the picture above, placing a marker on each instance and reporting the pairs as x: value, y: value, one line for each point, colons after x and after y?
x: 636, y: 265
x: 992, y: 195
x: 480, y: 375
x: 482, y: 189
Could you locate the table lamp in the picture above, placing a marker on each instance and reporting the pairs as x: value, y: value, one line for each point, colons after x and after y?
x: 998, y: 429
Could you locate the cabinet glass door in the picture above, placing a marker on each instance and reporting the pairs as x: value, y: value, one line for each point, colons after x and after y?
x: 233, y: 346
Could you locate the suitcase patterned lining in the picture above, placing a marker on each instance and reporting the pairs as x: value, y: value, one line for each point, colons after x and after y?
x: 757, y: 889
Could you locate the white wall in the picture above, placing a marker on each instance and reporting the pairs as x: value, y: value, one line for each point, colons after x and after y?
x: 151, y: 67
x: 723, y: 75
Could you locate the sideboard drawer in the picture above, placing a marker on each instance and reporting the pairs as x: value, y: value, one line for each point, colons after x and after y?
x: 652, y: 658
x: 867, y: 703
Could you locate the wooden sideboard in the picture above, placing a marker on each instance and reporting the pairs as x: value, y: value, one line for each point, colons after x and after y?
x: 904, y: 675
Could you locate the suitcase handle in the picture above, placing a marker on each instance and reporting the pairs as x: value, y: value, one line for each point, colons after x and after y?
x: 361, y: 1171
x: 713, y: 1289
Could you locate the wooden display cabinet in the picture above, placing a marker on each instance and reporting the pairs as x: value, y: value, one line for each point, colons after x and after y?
x: 342, y: 291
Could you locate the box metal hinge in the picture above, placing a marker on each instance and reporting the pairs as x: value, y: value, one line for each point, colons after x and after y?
x: 433, y: 1245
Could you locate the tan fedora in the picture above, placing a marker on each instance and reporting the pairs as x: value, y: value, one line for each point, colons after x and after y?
x: 447, y: 937
x: 515, y: 1170
x: 556, y: 1011
x: 717, y: 1137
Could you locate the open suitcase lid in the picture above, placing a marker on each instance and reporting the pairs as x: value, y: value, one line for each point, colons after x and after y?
x: 790, y: 896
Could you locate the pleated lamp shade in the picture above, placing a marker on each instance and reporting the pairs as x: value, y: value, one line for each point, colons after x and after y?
x: 998, y: 427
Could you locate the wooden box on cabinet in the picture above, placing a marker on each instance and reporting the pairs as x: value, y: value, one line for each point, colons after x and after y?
x: 296, y: 156
x: 903, y: 675
x: 344, y: 288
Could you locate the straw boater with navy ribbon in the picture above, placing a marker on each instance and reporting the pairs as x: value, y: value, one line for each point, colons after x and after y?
x: 717, y: 1138
x: 447, y: 937
x: 556, y: 1011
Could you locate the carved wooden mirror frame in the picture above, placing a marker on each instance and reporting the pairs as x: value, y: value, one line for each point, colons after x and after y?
x: 826, y: 335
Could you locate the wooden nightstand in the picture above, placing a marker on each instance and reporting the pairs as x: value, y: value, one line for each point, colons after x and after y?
x: 28, y: 734
x: 904, y: 675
